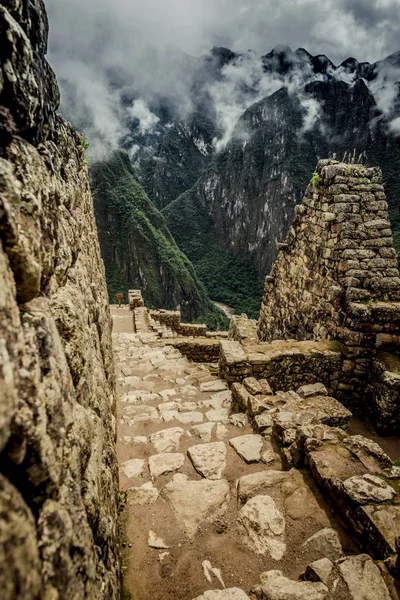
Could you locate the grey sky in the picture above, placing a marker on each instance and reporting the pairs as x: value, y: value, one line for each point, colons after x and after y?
x: 96, y: 43
x: 366, y: 29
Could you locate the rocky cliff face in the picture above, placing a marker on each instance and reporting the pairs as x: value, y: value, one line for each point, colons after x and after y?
x: 138, y: 249
x: 58, y: 474
x: 250, y: 189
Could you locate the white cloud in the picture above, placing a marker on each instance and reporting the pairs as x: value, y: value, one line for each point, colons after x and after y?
x: 147, y: 120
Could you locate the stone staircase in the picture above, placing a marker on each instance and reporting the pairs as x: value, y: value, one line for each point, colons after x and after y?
x: 237, y: 488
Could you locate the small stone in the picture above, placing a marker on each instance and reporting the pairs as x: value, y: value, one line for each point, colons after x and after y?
x: 319, y: 570
x: 190, y: 417
x: 166, y: 394
x: 209, y: 459
x: 264, y: 526
x: 218, y: 416
x: 154, y: 541
x: 167, y: 440
x: 218, y: 400
x: 228, y: 594
x: 368, y: 488
x: 274, y: 586
x: 221, y: 431
x: 133, y: 468
x: 168, y: 406
x: 160, y: 464
x: 203, y: 431
x: 326, y: 543
x: 213, y: 386
x: 140, y: 439
x: 314, y: 389
x: 145, y: 494
x: 248, y: 447
x: 239, y: 420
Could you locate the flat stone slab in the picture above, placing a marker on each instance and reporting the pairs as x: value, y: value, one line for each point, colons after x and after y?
x: 263, y: 526
x: 213, y: 386
x: 144, y: 494
x: 167, y: 440
x: 203, y: 431
x: 195, y: 502
x: 133, y: 467
x: 209, y: 459
x: 163, y: 463
x: 275, y: 586
x: 229, y: 594
x: 319, y: 570
x: 368, y: 488
x: 219, y: 400
x: 326, y: 542
x: 248, y: 447
x: 256, y: 484
x: 220, y: 415
x: 313, y: 389
x: 186, y: 418
x: 363, y: 579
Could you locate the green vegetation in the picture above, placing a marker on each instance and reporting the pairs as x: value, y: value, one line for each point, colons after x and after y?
x: 316, y: 179
x: 228, y: 279
x: 138, y: 249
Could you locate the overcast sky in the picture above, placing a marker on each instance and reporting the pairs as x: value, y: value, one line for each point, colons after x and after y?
x: 93, y: 42
x: 365, y: 29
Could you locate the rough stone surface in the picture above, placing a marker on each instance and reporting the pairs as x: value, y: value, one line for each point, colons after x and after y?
x: 229, y: 594
x: 255, y: 484
x: 209, y: 459
x: 315, y: 389
x: 144, y: 494
x: 319, y: 570
x: 163, y: 463
x: 196, y: 501
x: 275, y: 586
x: 326, y: 542
x: 167, y: 440
x: 363, y: 579
x: 248, y: 447
x: 264, y: 526
x: 368, y: 488
x: 133, y: 467
x: 57, y: 388
x: 331, y: 281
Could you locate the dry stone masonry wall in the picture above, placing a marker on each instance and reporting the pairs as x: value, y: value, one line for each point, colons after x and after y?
x: 58, y: 473
x: 336, y: 277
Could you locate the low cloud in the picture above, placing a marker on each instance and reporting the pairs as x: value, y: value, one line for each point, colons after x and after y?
x: 124, y: 59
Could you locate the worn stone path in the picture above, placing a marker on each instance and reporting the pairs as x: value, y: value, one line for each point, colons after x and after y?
x: 208, y: 504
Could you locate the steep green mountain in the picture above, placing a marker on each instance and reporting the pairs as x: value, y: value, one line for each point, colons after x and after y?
x: 185, y: 150
x: 242, y: 205
x: 138, y: 249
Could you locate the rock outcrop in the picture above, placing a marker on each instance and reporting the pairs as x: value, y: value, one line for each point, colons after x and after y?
x: 58, y: 474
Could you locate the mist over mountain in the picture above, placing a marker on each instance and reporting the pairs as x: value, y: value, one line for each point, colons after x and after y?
x: 224, y: 141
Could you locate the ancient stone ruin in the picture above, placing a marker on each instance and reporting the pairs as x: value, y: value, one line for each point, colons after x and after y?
x: 240, y: 476
x: 336, y: 278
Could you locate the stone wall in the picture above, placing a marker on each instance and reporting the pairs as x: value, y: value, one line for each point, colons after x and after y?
x: 336, y: 277
x: 58, y: 470
x: 172, y: 320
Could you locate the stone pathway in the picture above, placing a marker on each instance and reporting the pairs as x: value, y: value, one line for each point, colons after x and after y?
x: 209, y: 508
